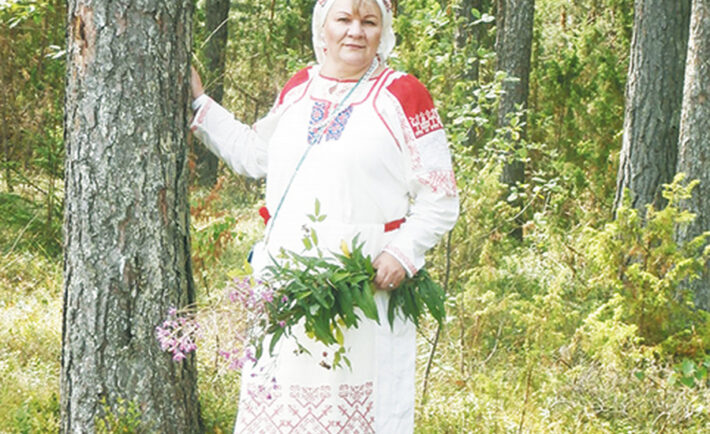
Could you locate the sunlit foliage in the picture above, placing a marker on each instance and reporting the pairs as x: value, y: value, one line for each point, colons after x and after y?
x: 581, y: 327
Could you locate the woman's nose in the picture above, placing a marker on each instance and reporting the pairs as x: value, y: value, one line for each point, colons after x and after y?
x: 356, y: 29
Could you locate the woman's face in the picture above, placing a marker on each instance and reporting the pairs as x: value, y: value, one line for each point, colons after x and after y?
x: 352, y: 35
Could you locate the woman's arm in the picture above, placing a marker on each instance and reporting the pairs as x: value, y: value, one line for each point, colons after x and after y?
x: 238, y: 145
x: 430, y: 178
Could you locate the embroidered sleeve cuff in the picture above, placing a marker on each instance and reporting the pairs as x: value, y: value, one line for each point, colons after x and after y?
x: 199, y: 101
x: 198, y: 118
x: 406, y: 263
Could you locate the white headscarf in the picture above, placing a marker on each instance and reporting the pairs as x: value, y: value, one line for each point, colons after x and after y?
x: 320, y: 12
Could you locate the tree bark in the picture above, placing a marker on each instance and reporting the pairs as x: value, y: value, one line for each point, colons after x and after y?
x: 469, y: 35
x: 654, y: 93
x: 694, y: 148
x: 127, y: 252
x: 514, y: 22
x: 469, y: 40
x: 217, y: 13
x: 6, y: 101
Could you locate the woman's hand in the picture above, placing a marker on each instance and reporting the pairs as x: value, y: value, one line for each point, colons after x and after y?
x: 390, y: 272
x: 195, y: 83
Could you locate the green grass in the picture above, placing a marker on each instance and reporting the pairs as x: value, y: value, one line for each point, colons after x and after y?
x: 23, y: 227
x: 507, y: 361
x: 30, y: 335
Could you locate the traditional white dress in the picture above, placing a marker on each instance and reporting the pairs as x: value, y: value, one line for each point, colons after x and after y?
x: 382, y: 158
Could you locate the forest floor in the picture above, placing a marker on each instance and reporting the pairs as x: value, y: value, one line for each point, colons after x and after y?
x: 488, y: 384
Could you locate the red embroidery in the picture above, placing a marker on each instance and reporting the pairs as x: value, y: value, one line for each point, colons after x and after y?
x: 258, y: 413
x: 417, y: 105
x: 386, y: 76
x: 298, y: 79
x: 440, y: 180
x: 319, y: 113
x: 402, y: 258
x: 201, y: 115
x: 425, y: 122
x: 357, y: 408
x: 307, y: 410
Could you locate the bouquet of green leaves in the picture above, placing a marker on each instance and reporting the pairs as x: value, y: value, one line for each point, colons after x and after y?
x: 330, y: 294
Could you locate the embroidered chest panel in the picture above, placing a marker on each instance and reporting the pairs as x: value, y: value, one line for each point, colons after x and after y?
x: 320, y: 114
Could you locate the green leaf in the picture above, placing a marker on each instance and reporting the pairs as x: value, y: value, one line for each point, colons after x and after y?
x: 274, y: 340
x: 321, y: 328
x: 368, y: 306
x: 672, y: 379
x: 410, y: 306
x: 391, y: 308
x: 314, y: 237
x: 688, y: 381
x: 687, y: 367
x: 345, y: 300
x: 339, y: 338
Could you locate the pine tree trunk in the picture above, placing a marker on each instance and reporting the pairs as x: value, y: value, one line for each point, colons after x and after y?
x: 217, y: 13
x: 654, y: 93
x: 467, y: 34
x: 514, y: 22
x: 5, y: 106
x: 470, y: 39
x: 127, y: 252
x: 5, y: 139
x: 694, y: 149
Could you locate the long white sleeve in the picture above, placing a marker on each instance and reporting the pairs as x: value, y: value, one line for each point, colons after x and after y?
x: 238, y: 145
x: 431, y: 183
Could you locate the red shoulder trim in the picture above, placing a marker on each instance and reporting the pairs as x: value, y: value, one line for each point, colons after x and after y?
x: 417, y: 104
x: 299, y: 78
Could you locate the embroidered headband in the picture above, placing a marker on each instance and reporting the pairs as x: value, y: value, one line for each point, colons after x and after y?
x: 320, y: 12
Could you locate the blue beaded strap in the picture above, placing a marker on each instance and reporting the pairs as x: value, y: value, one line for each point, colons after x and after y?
x: 319, y: 131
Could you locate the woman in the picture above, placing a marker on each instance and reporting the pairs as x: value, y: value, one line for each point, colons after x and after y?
x: 366, y: 142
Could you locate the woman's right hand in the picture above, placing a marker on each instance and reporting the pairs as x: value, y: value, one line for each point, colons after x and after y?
x: 195, y: 83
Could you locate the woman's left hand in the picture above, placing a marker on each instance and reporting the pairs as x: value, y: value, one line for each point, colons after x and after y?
x: 195, y: 83
x: 390, y: 272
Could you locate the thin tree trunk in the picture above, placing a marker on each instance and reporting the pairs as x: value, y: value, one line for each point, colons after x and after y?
x: 5, y: 106
x: 127, y: 253
x: 514, y: 22
x: 694, y: 149
x: 217, y: 14
x: 5, y: 138
x: 469, y: 39
x: 654, y: 94
x: 469, y: 35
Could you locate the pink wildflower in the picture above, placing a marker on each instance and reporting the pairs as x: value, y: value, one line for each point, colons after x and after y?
x: 178, y: 356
